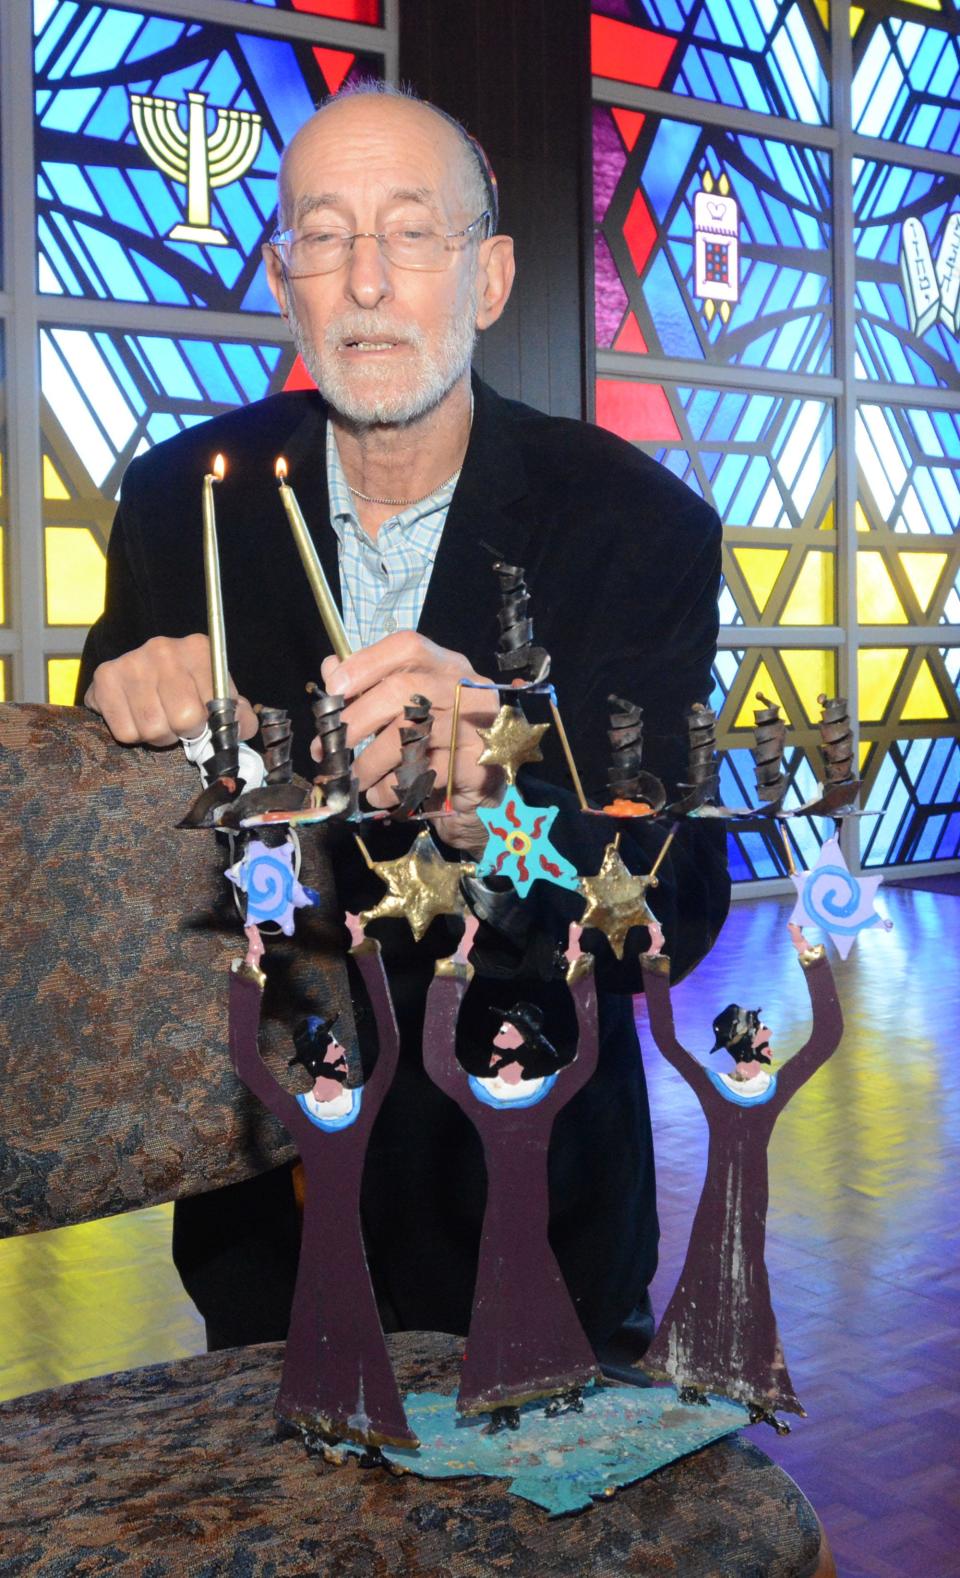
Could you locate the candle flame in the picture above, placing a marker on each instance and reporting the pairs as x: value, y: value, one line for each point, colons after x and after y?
x: 219, y: 467
x: 280, y: 469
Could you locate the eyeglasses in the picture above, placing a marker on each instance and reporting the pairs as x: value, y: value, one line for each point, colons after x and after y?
x: 308, y: 252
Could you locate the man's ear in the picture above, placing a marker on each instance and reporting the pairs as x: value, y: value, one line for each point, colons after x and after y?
x: 275, y: 277
x: 496, y: 268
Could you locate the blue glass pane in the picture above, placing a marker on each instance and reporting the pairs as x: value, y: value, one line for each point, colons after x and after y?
x: 116, y: 217
x: 114, y: 394
x: 906, y: 82
x: 907, y: 240
x: 762, y: 55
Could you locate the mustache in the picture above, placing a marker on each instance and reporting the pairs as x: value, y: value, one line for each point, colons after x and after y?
x: 370, y: 326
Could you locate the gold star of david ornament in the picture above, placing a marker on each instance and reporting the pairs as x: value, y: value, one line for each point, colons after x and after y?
x: 420, y: 885
x: 616, y: 900
x: 511, y: 741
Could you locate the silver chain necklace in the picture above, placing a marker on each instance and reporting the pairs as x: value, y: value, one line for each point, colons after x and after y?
x: 368, y: 498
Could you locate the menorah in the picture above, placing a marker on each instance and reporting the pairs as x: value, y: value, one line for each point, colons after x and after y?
x: 192, y: 157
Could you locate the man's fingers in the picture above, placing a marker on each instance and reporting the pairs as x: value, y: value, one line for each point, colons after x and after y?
x: 247, y: 721
x: 184, y: 709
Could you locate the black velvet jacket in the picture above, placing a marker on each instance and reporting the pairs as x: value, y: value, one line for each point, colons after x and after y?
x: 622, y: 561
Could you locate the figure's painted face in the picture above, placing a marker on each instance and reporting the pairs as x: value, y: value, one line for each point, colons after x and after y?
x: 762, y: 1049
x: 508, y: 1037
x: 326, y: 1088
x: 384, y: 344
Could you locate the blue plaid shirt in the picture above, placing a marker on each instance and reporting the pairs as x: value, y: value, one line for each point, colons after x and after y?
x: 383, y: 583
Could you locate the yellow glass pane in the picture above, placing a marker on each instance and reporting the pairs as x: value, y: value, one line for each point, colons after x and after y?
x: 3, y: 579
x: 760, y: 567
x: 829, y: 520
x: 76, y: 575
x: 924, y: 699
x: 62, y: 675
x: 3, y: 680
x: 927, y: 5
x: 863, y: 751
x: 878, y: 669
x: 53, y: 484
x: 877, y: 600
x: 761, y: 681
x: 813, y: 674
x: 862, y: 523
x: 923, y: 571
x: 823, y: 11
x: 857, y: 15
x: 811, y: 601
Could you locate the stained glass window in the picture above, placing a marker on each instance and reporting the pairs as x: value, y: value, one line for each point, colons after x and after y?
x: 906, y: 77
x: 907, y: 241
x: 157, y: 145
x: 793, y: 678
x: 766, y: 464
x: 908, y: 559
x: 109, y: 395
x: 365, y: 11
x: 762, y: 55
x: 711, y: 245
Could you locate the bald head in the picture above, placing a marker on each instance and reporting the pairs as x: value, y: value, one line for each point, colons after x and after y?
x: 385, y: 118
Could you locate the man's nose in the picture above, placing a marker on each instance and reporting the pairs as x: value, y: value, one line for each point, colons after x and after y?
x: 368, y: 274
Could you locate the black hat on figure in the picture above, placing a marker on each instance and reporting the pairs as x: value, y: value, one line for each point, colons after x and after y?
x: 734, y: 1029
x: 312, y: 1037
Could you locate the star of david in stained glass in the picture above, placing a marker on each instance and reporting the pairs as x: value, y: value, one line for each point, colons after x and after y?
x: 518, y: 845
x: 831, y: 897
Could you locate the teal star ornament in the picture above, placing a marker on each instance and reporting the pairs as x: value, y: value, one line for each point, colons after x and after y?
x: 518, y: 846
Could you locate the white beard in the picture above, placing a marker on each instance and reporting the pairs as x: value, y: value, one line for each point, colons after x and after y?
x: 362, y: 395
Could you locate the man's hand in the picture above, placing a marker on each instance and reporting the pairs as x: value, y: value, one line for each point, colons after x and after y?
x: 797, y: 938
x: 158, y: 693
x: 378, y: 682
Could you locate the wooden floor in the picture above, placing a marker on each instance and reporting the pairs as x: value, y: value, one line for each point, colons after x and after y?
x: 862, y: 1246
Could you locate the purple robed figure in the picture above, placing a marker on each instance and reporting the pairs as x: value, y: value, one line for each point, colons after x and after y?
x: 719, y: 1332
x: 337, y: 1377
x: 525, y: 1339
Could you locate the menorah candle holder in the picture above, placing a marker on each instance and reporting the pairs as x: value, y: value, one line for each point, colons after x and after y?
x: 335, y: 768
x: 770, y: 736
x: 415, y: 779
x: 625, y: 776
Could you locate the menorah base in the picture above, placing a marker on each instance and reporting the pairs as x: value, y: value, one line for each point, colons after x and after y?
x: 206, y: 235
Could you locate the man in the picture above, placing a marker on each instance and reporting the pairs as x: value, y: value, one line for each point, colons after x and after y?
x: 386, y: 263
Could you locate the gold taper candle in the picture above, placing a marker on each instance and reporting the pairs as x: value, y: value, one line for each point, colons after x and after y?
x: 319, y: 585
x: 216, y: 629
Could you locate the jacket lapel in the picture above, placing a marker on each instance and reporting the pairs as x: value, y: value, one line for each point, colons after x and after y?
x: 491, y: 505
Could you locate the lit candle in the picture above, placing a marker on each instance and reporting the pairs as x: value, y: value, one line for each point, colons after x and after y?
x: 319, y: 585
x: 216, y: 629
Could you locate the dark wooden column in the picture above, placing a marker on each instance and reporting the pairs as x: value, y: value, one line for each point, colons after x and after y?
x: 517, y: 74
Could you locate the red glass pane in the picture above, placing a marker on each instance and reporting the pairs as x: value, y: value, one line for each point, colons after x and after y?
x: 630, y: 337
x: 344, y: 10
x: 334, y: 63
x: 629, y: 54
x: 635, y: 411
x: 298, y: 377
